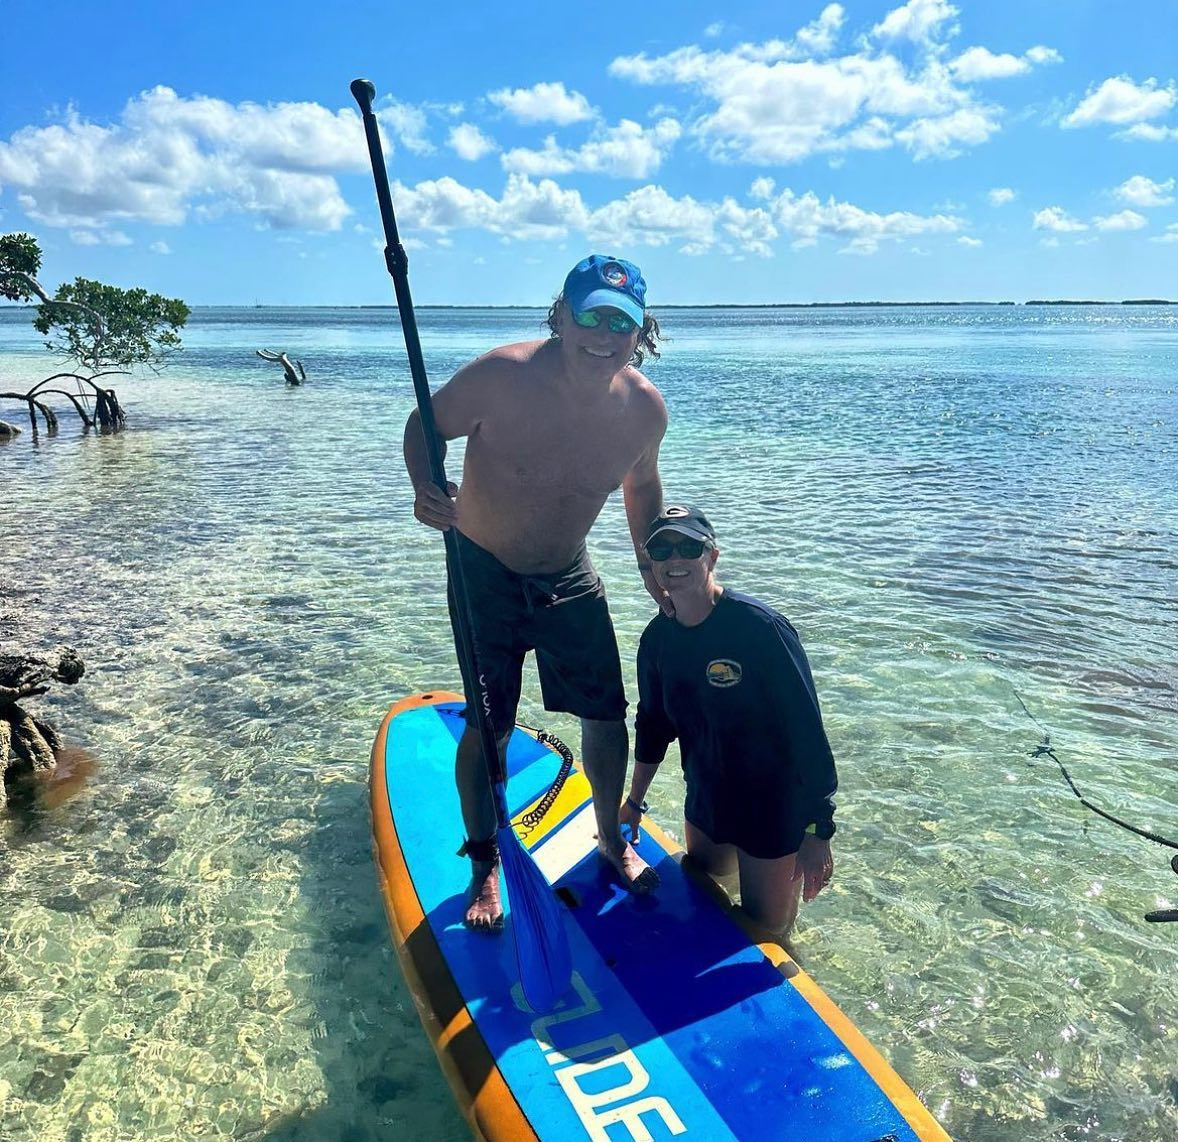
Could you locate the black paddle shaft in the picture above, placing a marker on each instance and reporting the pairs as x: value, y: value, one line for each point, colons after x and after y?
x: 398, y: 265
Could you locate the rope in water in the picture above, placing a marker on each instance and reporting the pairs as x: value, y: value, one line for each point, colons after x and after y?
x: 1045, y: 749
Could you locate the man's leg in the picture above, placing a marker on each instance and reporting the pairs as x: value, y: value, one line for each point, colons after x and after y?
x: 484, y: 909
x: 605, y: 748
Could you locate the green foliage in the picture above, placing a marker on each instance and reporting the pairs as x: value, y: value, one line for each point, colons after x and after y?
x: 103, y: 326
x: 19, y: 255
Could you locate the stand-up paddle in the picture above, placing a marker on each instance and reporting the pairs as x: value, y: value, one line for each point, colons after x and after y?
x: 537, y: 919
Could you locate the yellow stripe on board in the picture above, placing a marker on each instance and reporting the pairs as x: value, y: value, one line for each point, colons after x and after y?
x: 573, y: 795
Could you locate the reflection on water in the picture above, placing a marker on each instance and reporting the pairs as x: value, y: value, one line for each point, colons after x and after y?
x: 44, y: 790
x: 953, y: 505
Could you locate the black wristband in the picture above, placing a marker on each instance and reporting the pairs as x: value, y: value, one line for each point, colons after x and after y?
x: 643, y: 808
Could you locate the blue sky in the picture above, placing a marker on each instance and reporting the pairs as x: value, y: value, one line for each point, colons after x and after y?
x: 757, y: 152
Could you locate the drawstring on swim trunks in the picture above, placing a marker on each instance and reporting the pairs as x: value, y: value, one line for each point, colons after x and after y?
x: 536, y: 591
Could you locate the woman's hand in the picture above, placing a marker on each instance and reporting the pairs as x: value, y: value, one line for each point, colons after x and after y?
x: 815, y: 864
x: 628, y: 815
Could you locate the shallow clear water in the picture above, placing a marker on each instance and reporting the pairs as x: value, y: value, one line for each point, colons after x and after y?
x: 956, y: 507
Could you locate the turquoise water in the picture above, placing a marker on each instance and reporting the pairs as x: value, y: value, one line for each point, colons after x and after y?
x: 954, y: 505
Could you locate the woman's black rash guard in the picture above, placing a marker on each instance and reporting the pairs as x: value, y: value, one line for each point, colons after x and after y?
x: 737, y: 692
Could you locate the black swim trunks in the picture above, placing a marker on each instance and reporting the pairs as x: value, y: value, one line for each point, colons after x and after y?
x: 563, y: 617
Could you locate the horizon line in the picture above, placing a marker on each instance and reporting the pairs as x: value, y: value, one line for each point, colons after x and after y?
x: 674, y: 305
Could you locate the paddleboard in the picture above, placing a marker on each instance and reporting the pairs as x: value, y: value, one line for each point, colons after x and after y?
x: 677, y: 1023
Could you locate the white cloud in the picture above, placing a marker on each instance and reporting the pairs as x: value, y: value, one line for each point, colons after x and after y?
x: 407, y: 123
x: 170, y: 156
x: 772, y: 103
x: 1041, y: 54
x: 160, y: 248
x: 919, y: 21
x: 943, y: 137
x: 625, y: 151
x: 1142, y: 191
x: 1149, y: 133
x: 650, y: 216
x: 806, y: 217
x: 1124, y: 220
x: 819, y: 37
x: 1000, y: 195
x: 972, y: 243
x: 714, y: 30
x: 99, y: 238
x: 526, y: 210
x: 543, y: 103
x: 469, y: 143
x: 1121, y: 102
x: 1055, y: 218
x: 976, y: 64
x: 1171, y: 234
x: 981, y: 63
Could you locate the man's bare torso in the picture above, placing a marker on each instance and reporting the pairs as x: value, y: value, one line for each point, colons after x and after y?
x: 546, y: 453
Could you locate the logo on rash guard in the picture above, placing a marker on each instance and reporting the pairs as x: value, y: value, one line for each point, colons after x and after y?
x: 723, y: 672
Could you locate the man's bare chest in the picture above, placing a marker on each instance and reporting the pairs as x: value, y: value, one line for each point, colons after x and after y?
x: 583, y: 456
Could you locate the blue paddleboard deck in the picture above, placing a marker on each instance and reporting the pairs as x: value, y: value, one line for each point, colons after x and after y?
x: 676, y: 1022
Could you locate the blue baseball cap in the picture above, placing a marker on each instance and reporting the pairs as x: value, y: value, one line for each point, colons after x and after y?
x: 601, y: 280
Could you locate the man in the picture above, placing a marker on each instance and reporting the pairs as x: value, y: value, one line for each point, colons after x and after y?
x: 728, y: 677
x: 552, y: 428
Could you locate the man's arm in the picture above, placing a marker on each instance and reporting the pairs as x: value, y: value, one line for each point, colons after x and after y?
x: 457, y: 412
x: 642, y: 493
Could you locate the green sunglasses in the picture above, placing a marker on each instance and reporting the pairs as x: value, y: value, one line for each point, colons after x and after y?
x: 591, y: 319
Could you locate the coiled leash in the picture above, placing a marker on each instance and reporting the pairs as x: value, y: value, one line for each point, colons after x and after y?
x: 535, y: 815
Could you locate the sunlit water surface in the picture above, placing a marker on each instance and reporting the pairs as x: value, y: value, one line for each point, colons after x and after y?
x: 955, y: 506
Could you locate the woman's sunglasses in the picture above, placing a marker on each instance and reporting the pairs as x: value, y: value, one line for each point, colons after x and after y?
x: 618, y: 322
x: 662, y: 549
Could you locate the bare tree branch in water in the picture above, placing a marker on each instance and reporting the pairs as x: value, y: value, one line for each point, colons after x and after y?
x: 288, y: 369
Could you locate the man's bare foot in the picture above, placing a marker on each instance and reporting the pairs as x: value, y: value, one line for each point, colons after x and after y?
x: 484, y: 909
x: 635, y: 873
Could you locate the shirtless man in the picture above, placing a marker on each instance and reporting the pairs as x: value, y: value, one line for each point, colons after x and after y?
x: 552, y: 428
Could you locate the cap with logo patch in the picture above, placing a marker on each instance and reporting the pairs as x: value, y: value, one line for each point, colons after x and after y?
x: 684, y: 519
x: 601, y: 280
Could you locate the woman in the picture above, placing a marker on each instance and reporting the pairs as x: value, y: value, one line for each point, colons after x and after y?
x: 726, y: 675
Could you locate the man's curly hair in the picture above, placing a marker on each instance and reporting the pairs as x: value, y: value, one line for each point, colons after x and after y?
x: 648, y: 335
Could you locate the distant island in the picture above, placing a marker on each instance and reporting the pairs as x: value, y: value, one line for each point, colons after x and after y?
x: 1129, y: 301
x: 718, y: 304
x: 810, y: 304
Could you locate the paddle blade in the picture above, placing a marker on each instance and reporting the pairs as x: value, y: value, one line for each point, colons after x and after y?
x: 537, y: 920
